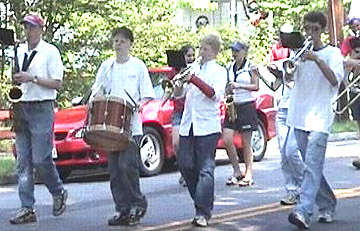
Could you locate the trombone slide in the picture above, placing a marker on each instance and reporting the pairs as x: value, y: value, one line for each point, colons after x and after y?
x: 346, y: 91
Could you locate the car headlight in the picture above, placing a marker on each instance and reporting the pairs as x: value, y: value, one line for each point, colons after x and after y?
x: 79, y: 133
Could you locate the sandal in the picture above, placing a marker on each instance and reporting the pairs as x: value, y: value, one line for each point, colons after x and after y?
x: 246, y: 183
x: 234, y: 180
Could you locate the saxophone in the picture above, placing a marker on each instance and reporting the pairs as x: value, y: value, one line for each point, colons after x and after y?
x: 230, y: 107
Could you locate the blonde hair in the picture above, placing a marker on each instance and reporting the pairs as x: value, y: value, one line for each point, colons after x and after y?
x: 213, y: 41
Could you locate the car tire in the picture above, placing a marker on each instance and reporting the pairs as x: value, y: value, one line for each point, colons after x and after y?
x: 151, y: 152
x: 258, y: 143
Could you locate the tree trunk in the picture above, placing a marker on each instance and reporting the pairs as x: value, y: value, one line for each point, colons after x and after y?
x: 336, y: 21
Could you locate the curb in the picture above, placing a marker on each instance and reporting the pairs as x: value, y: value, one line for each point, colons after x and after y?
x: 343, y: 136
x: 6, y: 180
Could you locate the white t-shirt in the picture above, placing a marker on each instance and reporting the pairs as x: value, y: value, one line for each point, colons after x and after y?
x: 243, y: 77
x: 199, y: 110
x: 114, y: 78
x: 310, y: 104
x: 46, y: 64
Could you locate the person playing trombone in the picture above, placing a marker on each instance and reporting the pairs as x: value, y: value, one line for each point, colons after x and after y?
x: 243, y: 80
x: 200, y: 127
x: 352, y: 67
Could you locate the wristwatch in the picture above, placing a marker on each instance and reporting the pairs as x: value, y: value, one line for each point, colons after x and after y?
x: 35, y: 79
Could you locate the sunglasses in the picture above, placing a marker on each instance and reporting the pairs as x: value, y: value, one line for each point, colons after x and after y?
x: 312, y: 28
x: 29, y: 25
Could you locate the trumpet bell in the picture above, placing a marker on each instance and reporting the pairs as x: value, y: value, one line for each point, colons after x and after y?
x: 289, y: 66
x: 15, y: 94
x: 167, y: 85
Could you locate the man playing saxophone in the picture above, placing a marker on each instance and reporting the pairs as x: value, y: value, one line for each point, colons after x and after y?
x: 242, y: 81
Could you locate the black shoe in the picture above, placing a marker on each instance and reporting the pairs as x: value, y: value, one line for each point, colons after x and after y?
x: 356, y: 163
x: 118, y: 219
x: 25, y: 215
x: 59, y: 204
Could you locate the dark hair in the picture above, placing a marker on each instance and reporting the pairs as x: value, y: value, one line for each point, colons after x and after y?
x: 316, y: 16
x: 354, y: 43
x: 124, y: 31
x: 184, y: 49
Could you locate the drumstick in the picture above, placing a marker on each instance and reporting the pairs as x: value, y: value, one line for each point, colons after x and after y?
x: 132, y: 100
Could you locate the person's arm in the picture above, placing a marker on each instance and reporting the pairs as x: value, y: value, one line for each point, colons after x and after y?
x: 26, y: 77
x: 204, y: 87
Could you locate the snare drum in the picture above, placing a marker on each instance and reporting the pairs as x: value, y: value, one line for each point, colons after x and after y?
x: 109, y: 122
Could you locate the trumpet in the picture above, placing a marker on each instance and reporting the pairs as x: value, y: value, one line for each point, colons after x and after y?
x: 230, y: 107
x: 352, y: 85
x: 290, y: 65
x: 168, y: 85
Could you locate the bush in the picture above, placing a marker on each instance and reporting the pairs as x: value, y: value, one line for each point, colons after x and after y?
x: 7, y: 166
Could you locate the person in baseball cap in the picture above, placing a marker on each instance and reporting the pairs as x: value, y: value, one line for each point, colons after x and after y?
x: 34, y: 20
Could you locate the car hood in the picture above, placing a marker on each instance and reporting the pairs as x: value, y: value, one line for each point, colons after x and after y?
x: 67, y: 119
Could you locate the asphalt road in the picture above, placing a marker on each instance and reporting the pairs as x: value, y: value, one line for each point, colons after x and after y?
x: 255, y: 208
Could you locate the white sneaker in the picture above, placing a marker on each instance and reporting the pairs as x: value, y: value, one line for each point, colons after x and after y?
x: 325, y: 217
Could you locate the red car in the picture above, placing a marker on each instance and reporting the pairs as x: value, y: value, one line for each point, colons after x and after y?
x: 156, y: 144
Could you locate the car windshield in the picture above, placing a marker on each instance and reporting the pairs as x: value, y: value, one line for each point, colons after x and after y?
x: 156, y: 78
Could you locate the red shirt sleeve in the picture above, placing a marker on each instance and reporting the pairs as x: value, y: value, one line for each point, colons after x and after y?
x: 345, y: 46
x: 204, y: 87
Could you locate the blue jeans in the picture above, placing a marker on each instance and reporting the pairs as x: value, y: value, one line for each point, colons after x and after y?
x: 124, y: 178
x: 196, y: 161
x: 34, y: 143
x: 314, y: 188
x: 292, y: 164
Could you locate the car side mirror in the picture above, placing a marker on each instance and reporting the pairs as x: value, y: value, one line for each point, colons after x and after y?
x: 76, y: 101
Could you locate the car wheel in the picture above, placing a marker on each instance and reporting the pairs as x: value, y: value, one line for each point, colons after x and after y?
x: 258, y: 143
x: 151, y: 152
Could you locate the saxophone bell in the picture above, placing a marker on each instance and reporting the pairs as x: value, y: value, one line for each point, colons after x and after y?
x: 15, y: 93
x: 230, y: 107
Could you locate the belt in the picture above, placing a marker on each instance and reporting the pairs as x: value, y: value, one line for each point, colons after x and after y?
x: 37, y: 101
x: 245, y: 103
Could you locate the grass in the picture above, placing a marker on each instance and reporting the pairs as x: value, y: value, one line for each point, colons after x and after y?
x: 344, y: 126
x: 7, y: 165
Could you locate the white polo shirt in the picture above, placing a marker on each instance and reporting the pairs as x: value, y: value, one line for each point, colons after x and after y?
x: 132, y: 76
x: 46, y: 64
x: 243, y: 76
x: 310, y: 103
x: 200, y: 111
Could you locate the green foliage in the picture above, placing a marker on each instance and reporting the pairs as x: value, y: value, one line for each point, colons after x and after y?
x: 344, y: 126
x: 81, y: 30
x: 7, y: 165
x: 201, y: 5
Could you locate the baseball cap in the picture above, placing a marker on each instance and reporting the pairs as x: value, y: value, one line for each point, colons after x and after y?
x: 238, y: 46
x: 33, y: 20
x: 286, y: 28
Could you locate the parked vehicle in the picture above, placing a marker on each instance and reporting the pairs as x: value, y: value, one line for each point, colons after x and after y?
x: 71, y: 152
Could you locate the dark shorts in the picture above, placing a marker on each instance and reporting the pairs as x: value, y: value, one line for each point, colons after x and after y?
x: 355, y: 108
x: 246, y: 118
